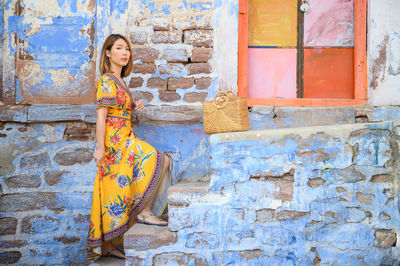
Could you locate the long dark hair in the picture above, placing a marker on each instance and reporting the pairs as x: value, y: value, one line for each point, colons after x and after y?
x: 105, y: 65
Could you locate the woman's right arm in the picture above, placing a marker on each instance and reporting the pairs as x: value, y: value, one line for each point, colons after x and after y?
x: 100, y: 153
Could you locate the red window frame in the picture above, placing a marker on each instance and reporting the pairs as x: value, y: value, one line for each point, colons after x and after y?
x: 360, y: 64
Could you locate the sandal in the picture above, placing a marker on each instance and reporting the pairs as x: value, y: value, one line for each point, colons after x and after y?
x: 143, y: 219
x: 110, y: 253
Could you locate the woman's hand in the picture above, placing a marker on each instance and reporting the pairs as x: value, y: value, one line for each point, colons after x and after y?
x: 139, y: 105
x: 99, y: 155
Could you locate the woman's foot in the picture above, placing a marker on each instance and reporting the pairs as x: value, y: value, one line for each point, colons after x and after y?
x: 111, y: 251
x: 151, y: 219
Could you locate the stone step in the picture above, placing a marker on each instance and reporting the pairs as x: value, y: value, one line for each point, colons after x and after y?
x: 183, y: 193
x: 108, y: 261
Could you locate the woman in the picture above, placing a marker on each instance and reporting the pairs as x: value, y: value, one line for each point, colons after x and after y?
x: 132, y: 176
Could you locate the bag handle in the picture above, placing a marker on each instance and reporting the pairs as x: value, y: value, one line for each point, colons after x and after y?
x: 222, y: 98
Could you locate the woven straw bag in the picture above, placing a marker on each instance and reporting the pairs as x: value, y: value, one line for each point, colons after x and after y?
x: 225, y: 113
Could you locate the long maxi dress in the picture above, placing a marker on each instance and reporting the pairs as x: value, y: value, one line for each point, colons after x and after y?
x: 131, y: 172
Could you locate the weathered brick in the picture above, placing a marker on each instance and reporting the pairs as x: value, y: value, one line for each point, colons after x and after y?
x: 384, y: 178
x: 180, y: 83
x: 265, y: 215
x: 136, y: 82
x: 53, y: 177
x: 365, y: 198
x: 144, y: 68
x: 203, y: 83
x: 39, y: 224
x: 137, y: 95
x: 146, y: 55
x: 175, y: 55
x: 192, y: 97
x: 28, y: 201
x: 171, y: 69
x: 8, y: 225
x: 10, y: 257
x: 24, y: 180
x: 202, y: 240
x: 179, y: 258
x: 84, y: 133
x: 35, y: 161
x: 168, y: 96
x: 290, y: 215
x: 316, y: 182
x: 158, y: 23
x: 157, y: 83
x: 12, y: 243
x: 341, y: 189
x: 201, y: 55
x: 199, y: 68
x: 385, y: 238
x: 67, y: 240
x: 78, y: 156
x: 199, y: 38
x: 138, y: 37
x: 183, y: 22
x: 144, y: 237
x: 166, y: 37
x: 283, y: 184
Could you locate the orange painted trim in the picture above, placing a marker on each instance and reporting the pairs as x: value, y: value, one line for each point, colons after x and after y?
x: 360, y: 50
x: 305, y: 102
x: 360, y: 63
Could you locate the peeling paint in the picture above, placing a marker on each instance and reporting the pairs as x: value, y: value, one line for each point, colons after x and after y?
x: 379, y: 64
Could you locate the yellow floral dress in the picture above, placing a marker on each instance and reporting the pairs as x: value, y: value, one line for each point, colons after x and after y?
x: 131, y: 172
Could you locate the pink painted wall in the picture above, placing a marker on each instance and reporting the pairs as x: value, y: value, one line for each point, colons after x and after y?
x: 272, y: 73
x: 329, y: 23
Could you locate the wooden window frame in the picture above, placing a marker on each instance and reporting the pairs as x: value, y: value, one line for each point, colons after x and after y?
x: 360, y: 64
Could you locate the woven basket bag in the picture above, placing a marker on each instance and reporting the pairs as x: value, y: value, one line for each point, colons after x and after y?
x: 225, y: 113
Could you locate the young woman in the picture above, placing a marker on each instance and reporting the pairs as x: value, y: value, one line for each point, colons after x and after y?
x: 132, y: 176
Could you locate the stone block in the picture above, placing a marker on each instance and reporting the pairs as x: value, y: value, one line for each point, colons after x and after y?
x: 175, y: 55
x: 8, y: 225
x: 201, y: 55
x: 183, y: 193
x: 35, y: 162
x: 142, y: 237
x: 78, y: 156
x: 366, y: 199
x: 265, y: 215
x: 203, y: 83
x: 136, y: 83
x: 146, y: 55
x: 198, y: 38
x: 355, y: 215
x: 193, y: 97
x: 179, y: 258
x: 83, y: 133
x: 316, y: 182
x: 166, y: 37
x: 39, y: 224
x: 183, y: 22
x: 202, y: 240
x: 168, y: 96
x: 6, y: 244
x: 289, y: 215
x: 67, y: 240
x: 23, y: 180
x: 10, y: 257
x: 199, y: 68
x: 54, y: 113
x: 240, y: 257
x: 171, y: 69
x: 52, y: 177
x: 144, y: 68
x: 28, y: 201
x: 142, y: 95
x: 176, y: 113
x: 382, y: 178
x: 138, y: 37
x: 338, y: 176
x: 385, y: 238
x: 180, y: 83
x: 157, y: 83
x: 13, y: 113
x: 134, y: 261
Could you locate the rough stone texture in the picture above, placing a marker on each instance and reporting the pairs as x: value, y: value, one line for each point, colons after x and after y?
x: 385, y: 238
x: 202, y: 240
x: 138, y: 37
x: 39, y: 224
x: 199, y: 38
x: 201, y: 55
x: 144, y: 68
x: 83, y: 133
x: 12, y: 243
x: 180, y: 83
x: 157, y: 83
x: 166, y: 37
x: 136, y: 82
x: 202, y: 83
x: 146, y: 55
x: 34, y: 161
x: 142, y: 237
x: 137, y: 95
x: 24, y: 180
x: 53, y: 177
x: 199, y: 68
x: 171, y: 69
x: 78, y: 156
x: 10, y: 257
x: 175, y: 55
x: 67, y: 240
x: 192, y: 97
x: 176, y: 114
x: 8, y: 226
x: 266, y: 215
x: 179, y: 258
x: 13, y: 113
x: 28, y: 201
x: 133, y: 261
x: 316, y: 182
x: 168, y: 96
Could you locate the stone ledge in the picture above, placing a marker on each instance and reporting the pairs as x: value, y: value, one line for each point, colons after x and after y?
x: 178, y: 114
x: 184, y: 192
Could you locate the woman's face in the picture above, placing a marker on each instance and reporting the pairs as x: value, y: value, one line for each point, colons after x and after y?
x: 119, y: 53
